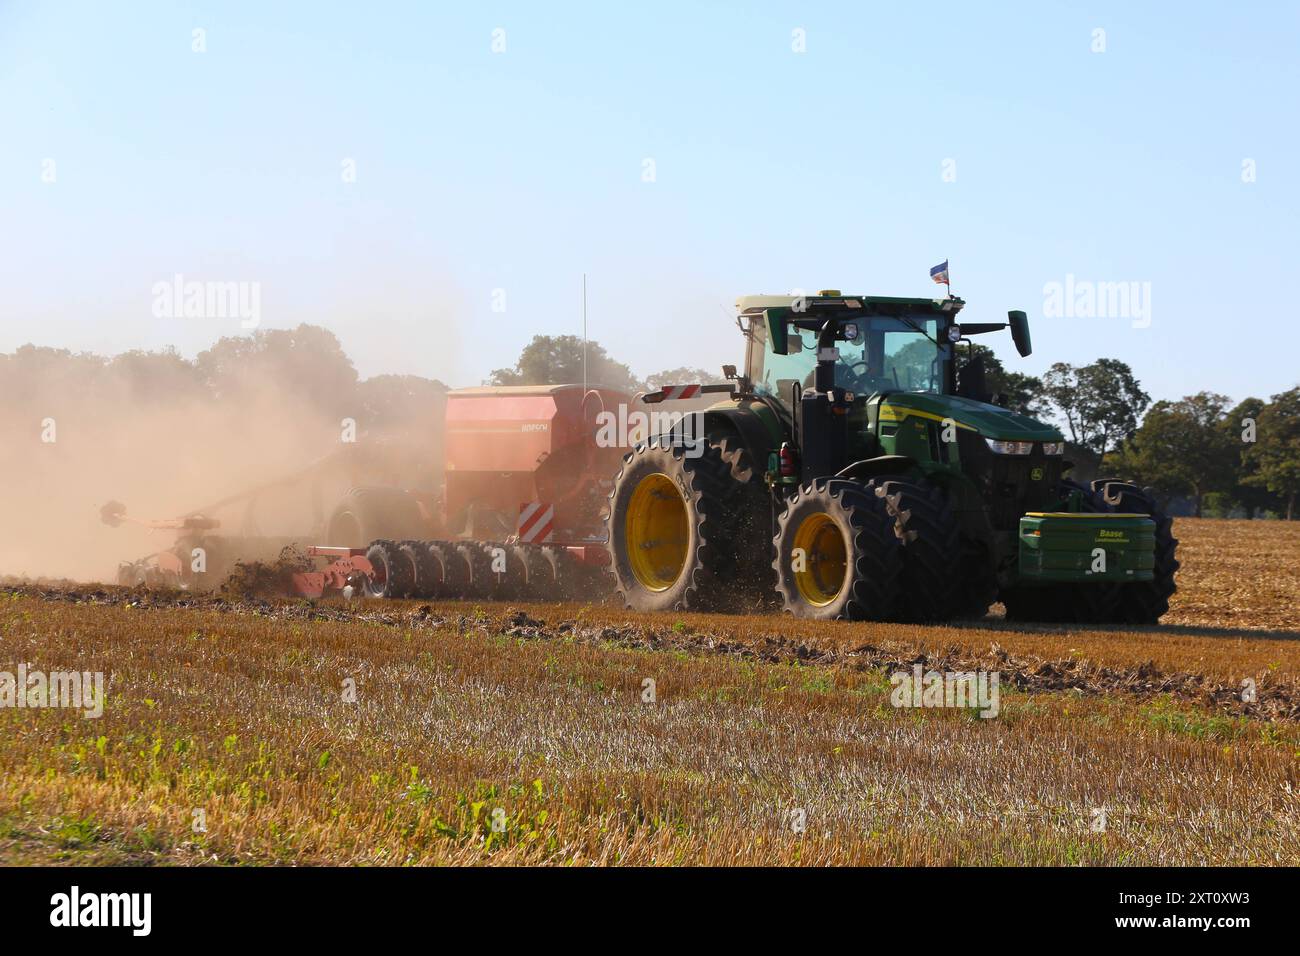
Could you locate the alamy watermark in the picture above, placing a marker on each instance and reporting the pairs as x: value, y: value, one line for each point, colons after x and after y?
x: 181, y: 299
x: 74, y: 908
x: 1085, y: 299
x: 627, y: 429
x: 973, y: 690
x: 67, y: 689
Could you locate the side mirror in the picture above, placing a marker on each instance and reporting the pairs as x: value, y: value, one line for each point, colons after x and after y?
x: 1020, y: 332
x: 777, y: 333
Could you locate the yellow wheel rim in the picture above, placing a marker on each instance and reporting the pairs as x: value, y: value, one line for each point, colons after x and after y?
x: 657, y: 532
x: 824, y: 559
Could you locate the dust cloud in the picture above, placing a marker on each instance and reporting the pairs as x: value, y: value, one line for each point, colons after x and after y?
x: 167, y: 437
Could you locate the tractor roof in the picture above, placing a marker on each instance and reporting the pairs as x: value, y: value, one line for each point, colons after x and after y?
x: 870, y: 304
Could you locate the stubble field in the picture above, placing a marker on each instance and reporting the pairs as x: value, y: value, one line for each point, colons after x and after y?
x: 284, y: 732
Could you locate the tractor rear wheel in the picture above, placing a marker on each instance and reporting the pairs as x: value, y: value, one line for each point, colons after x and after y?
x: 755, y: 582
x: 1144, y: 602
x: 930, y: 537
x: 836, y: 554
x: 675, y: 524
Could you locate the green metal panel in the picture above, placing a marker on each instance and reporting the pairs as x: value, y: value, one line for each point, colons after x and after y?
x: 1063, y: 546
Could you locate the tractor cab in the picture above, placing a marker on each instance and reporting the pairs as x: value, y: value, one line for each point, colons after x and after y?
x: 875, y: 382
x: 879, y: 345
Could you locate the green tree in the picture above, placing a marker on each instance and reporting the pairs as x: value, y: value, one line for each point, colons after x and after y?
x: 1101, y: 403
x: 1241, y: 425
x: 557, y: 360
x: 143, y: 376
x: 307, y: 363
x: 685, y: 375
x: 1274, y: 456
x: 396, y: 401
x: 1016, y: 391
x: 1183, y: 447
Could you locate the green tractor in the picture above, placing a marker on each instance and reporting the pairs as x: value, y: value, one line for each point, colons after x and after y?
x: 859, y: 470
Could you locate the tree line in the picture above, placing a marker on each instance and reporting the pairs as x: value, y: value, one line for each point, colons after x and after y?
x: 1200, y: 454
x: 303, y: 368
x: 557, y: 359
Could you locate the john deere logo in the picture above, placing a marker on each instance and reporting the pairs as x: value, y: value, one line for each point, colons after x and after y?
x: 1036, y: 474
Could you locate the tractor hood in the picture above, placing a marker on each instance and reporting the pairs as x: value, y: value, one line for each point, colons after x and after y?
x: 990, y: 421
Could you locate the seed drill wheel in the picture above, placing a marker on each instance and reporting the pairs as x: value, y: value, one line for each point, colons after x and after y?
x: 836, y: 554
x: 434, y: 575
x: 675, y: 525
x: 568, y: 580
x: 393, y: 575
x: 496, y: 572
x: 548, y: 572
x: 453, y: 569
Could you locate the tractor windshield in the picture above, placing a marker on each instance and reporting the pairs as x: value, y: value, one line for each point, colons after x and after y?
x: 876, y: 354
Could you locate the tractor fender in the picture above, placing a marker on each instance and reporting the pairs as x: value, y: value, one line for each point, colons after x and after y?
x: 875, y: 467
x: 745, y: 426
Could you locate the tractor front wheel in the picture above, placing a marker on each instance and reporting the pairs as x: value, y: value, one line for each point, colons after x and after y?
x: 836, y: 554
x: 1144, y: 602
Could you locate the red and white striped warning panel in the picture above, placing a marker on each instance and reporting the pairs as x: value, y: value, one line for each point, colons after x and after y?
x: 674, y: 392
x: 536, y: 522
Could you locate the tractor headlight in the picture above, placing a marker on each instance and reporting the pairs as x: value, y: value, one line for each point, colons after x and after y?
x: 1010, y: 447
x: 1053, y: 448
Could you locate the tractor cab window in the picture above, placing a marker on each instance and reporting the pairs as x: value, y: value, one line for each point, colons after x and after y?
x: 912, y: 359
x: 776, y: 374
x: 883, y: 354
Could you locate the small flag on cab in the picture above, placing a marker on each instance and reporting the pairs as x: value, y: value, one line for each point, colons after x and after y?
x: 940, y: 274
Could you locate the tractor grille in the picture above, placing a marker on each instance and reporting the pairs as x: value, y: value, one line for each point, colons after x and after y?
x: 1011, y: 485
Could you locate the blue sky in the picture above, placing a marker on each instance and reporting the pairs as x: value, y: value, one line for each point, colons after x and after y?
x: 774, y: 170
